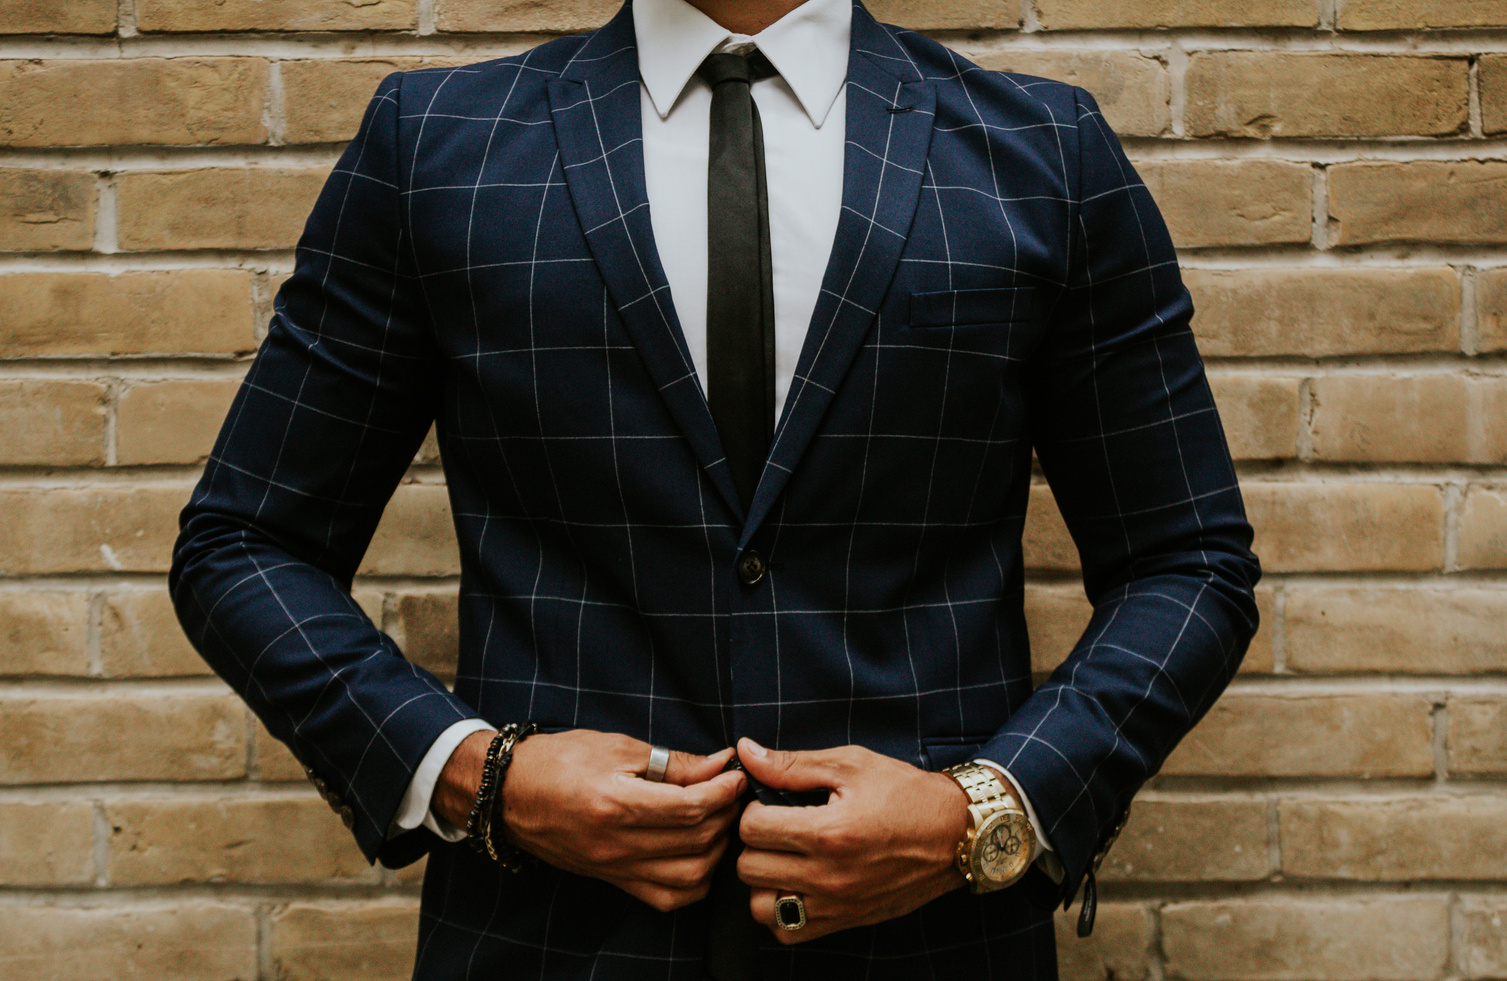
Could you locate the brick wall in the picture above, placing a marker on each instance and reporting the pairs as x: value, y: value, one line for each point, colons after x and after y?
x: 1335, y: 173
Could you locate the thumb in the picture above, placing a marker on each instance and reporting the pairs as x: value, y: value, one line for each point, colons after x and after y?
x: 787, y: 770
x: 688, y: 768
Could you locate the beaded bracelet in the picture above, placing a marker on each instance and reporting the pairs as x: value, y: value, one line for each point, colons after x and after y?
x: 485, y: 818
x: 481, y: 809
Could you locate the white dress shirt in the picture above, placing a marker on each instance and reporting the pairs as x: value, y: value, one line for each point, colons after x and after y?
x: 802, y: 111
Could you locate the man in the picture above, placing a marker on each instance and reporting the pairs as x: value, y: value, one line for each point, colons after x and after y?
x: 926, y: 270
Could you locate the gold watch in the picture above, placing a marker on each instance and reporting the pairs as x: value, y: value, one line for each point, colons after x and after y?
x: 999, y: 844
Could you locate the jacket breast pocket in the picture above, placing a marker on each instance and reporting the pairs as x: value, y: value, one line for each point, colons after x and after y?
x: 962, y: 308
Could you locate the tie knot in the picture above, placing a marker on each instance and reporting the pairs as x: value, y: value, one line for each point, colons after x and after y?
x: 728, y: 67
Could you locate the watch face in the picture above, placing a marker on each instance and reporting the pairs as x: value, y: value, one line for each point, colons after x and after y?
x: 1003, y: 847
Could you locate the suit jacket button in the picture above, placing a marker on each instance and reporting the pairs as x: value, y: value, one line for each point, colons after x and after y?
x: 751, y: 568
x: 348, y: 816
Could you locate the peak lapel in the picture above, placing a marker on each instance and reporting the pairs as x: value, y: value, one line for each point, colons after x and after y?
x: 890, y: 110
x: 595, y: 104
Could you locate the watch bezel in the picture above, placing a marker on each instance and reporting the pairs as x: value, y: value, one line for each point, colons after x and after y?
x: 983, y: 882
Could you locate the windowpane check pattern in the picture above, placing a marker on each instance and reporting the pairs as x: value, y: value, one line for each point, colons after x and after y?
x: 483, y: 257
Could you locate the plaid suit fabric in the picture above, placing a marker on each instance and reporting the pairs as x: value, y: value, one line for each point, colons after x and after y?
x: 482, y: 256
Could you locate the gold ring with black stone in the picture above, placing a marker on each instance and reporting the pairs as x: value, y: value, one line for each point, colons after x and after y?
x: 789, y: 911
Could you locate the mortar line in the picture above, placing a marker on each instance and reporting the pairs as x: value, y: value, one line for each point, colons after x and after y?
x: 1476, y: 125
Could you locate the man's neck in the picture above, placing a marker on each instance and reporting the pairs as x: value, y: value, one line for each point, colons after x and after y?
x: 745, y: 16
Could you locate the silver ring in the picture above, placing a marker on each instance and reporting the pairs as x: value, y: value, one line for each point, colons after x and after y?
x: 659, y: 762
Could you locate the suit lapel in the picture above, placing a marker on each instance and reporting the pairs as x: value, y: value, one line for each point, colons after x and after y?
x: 889, y: 123
x: 595, y: 104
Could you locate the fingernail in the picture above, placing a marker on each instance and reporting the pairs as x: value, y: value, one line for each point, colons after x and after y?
x: 754, y: 748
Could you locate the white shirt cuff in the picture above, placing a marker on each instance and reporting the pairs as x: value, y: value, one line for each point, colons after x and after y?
x: 414, y: 808
x: 1046, y: 855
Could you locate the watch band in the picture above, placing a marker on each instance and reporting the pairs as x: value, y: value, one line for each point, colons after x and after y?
x: 978, y: 782
x: 988, y: 800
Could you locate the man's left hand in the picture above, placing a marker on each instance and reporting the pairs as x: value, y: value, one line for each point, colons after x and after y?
x: 884, y: 844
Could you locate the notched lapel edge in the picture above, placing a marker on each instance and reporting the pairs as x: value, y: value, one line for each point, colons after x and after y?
x: 595, y: 107
x: 890, y: 112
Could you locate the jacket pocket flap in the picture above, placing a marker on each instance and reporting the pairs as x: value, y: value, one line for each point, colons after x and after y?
x: 950, y: 308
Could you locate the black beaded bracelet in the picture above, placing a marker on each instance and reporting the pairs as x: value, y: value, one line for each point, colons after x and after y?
x: 481, y: 809
x: 482, y: 827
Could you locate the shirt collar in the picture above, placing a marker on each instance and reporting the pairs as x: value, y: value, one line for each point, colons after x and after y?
x: 808, y: 47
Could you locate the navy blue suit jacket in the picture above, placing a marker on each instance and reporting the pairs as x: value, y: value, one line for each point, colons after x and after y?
x: 482, y: 257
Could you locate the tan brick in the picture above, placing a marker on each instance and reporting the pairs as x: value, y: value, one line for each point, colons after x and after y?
x: 1483, y: 936
x: 1045, y: 541
x: 1483, y: 528
x: 49, y: 422
x: 427, y: 630
x: 1413, y: 15
x: 122, y: 737
x: 177, y: 311
x: 1091, y: 14
x: 140, y: 637
x: 171, y: 421
x: 1261, y: 657
x: 1260, y: 94
x: 416, y: 536
x: 1478, y: 736
x: 1117, y: 950
x: 1134, y: 91
x: 160, y: 841
x: 1491, y: 310
x: 1392, y: 418
x: 926, y: 15
x: 1057, y: 615
x: 1492, y: 79
x: 1292, y: 939
x: 274, y: 761
x: 1333, y: 629
x: 1324, y: 312
x: 524, y: 16
x: 1310, y: 735
x: 325, y: 98
x: 202, y: 940
x: 1329, y: 527
x: 44, y: 632
x: 1055, y: 618
x: 46, y: 210
x: 531, y: 16
x: 1461, y: 202
x: 59, y: 16
x: 129, y: 101
x: 1260, y: 415
x: 46, y: 844
x: 1395, y: 840
x: 275, y: 15
x: 114, y: 527
x: 1191, y: 840
x: 345, y: 941
x: 222, y: 208
x: 1232, y: 202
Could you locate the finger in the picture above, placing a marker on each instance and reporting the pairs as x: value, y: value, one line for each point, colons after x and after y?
x: 635, y: 843
x: 808, y: 770
x: 775, y: 870
x: 640, y: 803
x: 688, y: 768
x: 803, y: 830
x: 682, y: 872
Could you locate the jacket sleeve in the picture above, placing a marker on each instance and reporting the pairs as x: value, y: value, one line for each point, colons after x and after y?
x: 1128, y: 437
x: 331, y: 412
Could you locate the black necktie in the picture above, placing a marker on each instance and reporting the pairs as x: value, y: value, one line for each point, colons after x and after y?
x: 740, y: 280
x: 740, y: 381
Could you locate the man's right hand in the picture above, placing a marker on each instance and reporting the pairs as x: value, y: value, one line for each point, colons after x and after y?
x: 579, y: 801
